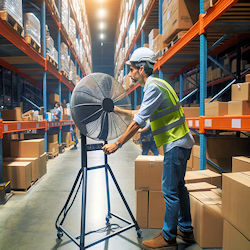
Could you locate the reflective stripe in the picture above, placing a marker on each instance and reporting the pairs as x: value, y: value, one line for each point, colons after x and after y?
x: 169, y: 126
x: 165, y: 112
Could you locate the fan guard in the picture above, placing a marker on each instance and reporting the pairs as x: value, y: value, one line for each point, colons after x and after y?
x: 92, y: 107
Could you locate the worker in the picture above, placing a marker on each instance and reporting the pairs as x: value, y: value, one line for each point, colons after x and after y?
x: 161, y: 105
x: 73, y: 137
x: 147, y: 140
x: 57, y: 112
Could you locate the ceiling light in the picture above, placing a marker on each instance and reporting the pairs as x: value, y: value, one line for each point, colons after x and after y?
x: 102, y: 36
x: 101, y: 13
x: 102, y: 25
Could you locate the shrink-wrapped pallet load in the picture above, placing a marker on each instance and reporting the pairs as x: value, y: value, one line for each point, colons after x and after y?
x: 32, y: 27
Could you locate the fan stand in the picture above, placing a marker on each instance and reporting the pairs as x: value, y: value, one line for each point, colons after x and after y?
x: 82, y: 178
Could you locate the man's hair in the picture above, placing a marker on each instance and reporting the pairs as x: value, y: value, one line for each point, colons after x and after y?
x: 148, y: 66
x: 57, y: 103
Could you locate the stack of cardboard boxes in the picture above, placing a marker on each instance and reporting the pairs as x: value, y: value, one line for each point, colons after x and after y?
x: 66, y: 138
x: 52, y: 144
x: 235, y: 210
x: 26, y: 163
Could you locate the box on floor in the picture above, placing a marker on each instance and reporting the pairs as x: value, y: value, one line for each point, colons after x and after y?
x: 19, y: 174
x: 236, y: 202
x: 207, y: 218
x: 233, y: 238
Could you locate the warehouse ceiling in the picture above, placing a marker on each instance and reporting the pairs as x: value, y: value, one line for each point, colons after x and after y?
x: 103, y: 18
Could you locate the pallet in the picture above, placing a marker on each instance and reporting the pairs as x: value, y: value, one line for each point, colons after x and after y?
x: 65, y: 74
x: 175, y: 39
x: 23, y: 191
x: 12, y: 22
x: 51, y: 61
x: 33, y: 44
x: 52, y: 155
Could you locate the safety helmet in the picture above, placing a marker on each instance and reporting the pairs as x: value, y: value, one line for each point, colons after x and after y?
x: 142, y: 54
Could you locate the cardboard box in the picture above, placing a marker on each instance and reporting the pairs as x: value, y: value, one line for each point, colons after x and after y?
x: 207, y: 219
x: 42, y: 165
x: 34, y: 165
x: 65, y: 117
x: 19, y: 136
x: 216, y: 108
x: 247, y: 78
x: 142, y: 208
x: 203, y: 176
x: 240, y: 164
x: 53, y: 147
x: 66, y: 138
x: 12, y: 114
x: 151, y: 36
x: 234, y: 239
x: 191, y: 112
x: 52, y: 138
x: 235, y: 200
x: 218, y: 191
x: 239, y: 108
x: 199, y: 186
x: 158, y: 44
x: 53, y: 97
x: 150, y: 209
x: 241, y: 91
x: 176, y: 18
x: 27, y: 148
x: 19, y: 173
x: 208, y: 4
x: 156, y: 209
x: 148, y: 172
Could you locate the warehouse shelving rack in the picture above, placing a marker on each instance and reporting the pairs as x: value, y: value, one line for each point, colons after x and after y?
x: 209, y: 36
x: 21, y: 58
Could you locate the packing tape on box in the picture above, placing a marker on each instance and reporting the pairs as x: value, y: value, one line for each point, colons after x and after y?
x: 152, y: 162
x: 210, y: 200
x: 243, y: 174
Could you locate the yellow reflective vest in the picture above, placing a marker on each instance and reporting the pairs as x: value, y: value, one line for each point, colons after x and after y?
x: 168, y: 122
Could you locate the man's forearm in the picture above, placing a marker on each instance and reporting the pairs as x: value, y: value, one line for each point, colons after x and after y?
x: 130, y: 131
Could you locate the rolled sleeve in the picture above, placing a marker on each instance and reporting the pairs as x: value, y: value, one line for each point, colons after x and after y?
x: 151, y: 100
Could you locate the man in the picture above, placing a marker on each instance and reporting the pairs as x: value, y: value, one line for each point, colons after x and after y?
x: 58, y: 112
x: 160, y: 104
x: 147, y: 140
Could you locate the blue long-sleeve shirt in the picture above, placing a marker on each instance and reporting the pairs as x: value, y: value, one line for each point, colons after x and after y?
x: 152, y: 99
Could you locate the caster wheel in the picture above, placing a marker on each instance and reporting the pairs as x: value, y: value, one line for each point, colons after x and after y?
x: 107, y: 220
x: 59, y: 234
x: 139, y: 232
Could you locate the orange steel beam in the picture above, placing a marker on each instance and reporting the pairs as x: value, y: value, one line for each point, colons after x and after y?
x: 66, y: 82
x: 55, y: 18
x: 138, y: 32
x: 133, y: 88
x: 199, y: 27
x: 53, y: 124
x: 16, y: 126
x: 125, y: 31
x: 11, y: 35
x: 16, y: 70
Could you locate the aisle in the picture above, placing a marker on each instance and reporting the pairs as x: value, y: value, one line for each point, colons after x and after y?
x: 27, y: 220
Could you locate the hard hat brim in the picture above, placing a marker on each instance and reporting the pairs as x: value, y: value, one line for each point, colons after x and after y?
x: 128, y: 62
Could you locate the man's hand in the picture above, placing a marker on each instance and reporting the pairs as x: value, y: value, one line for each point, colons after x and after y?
x: 110, y: 148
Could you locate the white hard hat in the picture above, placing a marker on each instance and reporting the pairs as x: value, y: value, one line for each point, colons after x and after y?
x: 142, y: 54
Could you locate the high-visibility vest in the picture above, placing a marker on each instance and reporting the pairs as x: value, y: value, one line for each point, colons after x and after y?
x: 168, y: 122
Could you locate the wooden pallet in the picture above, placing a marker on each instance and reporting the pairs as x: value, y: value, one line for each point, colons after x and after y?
x: 65, y: 74
x: 175, y: 39
x: 21, y: 191
x: 52, y: 155
x: 12, y: 22
x: 51, y: 61
x: 32, y: 43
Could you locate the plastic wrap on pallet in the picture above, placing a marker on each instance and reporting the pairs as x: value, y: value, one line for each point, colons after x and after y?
x: 32, y: 27
x: 49, y: 46
x: 72, y: 31
x: 65, y: 14
x: 14, y: 8
x: 64, y: 58
x: 55, y: 55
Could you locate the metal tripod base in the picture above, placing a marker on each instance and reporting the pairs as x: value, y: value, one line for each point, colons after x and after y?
x: 81, y: 179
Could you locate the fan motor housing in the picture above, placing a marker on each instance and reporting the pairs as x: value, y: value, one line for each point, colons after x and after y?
x: 108, y: 105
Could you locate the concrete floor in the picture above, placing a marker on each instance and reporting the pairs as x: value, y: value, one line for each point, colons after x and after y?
x: 27, y: 221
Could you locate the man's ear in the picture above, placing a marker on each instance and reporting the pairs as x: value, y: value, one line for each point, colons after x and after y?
x: 141, y: 69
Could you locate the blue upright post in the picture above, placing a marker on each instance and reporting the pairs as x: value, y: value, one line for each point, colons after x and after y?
x: 181, y: 86
x: 43, y: 32
x: 69, y: 101
x: 160, y: 16
x: 59, y: 66
x: 203, y: 90
x: 160, y: 74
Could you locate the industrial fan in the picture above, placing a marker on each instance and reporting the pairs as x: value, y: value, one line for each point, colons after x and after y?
x: 92, y: 109
x: 92, y: 105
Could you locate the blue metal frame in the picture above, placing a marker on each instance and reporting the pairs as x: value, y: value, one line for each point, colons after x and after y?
x: 203, y: 90
x: 160, y: 16
x: 81, y: 179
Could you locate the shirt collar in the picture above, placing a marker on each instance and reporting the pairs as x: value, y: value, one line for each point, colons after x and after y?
x: 147, y: 83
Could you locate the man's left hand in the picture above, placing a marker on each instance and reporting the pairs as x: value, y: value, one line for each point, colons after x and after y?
x: 109, y: 148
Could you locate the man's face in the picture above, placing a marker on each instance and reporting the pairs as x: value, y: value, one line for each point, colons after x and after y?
x: 135, y: 74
